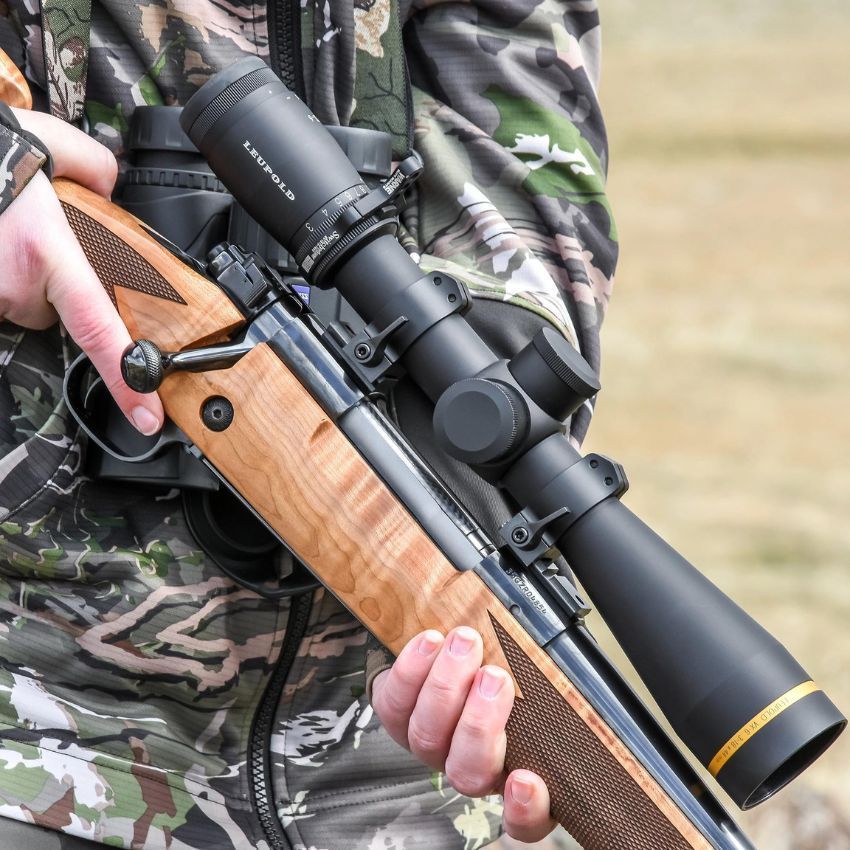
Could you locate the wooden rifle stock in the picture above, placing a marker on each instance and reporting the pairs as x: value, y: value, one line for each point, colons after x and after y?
x: 289, y: 461
x: 13, y: 87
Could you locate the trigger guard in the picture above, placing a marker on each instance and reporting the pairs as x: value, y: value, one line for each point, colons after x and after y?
x: 82, y: 393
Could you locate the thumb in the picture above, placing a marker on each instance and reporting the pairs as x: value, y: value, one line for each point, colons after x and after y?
x: 85, y: 309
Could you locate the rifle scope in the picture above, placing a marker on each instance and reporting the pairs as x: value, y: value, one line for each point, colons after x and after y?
x: 734, y: 695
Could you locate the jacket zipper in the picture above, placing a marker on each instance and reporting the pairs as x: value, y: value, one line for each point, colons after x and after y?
x: 284, y: 21
x: 259, y: 755
x: 409, y: 104
x: 284, y: 24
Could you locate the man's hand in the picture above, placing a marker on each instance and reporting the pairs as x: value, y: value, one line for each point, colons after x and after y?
x: 439, y: 702
x: 45, y: 274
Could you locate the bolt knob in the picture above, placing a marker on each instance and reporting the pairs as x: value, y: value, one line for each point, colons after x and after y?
x: 142, y: 366
x: 478, y: 420
x: 554, y: 374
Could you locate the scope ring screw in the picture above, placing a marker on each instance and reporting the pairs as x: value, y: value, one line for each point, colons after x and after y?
x: 520, y: 535
x: 363, y: 351
x: 217, y: 413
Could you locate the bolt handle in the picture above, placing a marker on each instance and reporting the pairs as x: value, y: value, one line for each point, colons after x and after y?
x: 143, y: 366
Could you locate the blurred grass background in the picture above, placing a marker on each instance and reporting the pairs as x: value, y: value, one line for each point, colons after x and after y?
x: 726, y: 352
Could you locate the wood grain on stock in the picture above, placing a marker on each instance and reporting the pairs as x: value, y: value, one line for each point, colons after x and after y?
x: 299, y: 471
x: 13, y: 87
x: 148, y: 285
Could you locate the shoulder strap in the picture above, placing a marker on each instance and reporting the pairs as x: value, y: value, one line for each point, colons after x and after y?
x: 382, y: 98
x: 354, y: 66
x: 66, y: 30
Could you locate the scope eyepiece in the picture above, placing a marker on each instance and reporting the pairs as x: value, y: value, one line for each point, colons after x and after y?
x: 285, y: 168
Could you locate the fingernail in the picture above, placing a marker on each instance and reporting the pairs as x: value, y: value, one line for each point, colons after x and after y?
x: 429, y: 642
x: 462, y: 642
x: 491, y: 682
x: 145, y: 421
x: 522, y: 791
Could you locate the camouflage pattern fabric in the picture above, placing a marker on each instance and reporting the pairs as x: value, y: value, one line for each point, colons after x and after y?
x: 66, y: 49
x: 148, y: 54
x: 370, y: 795
x: 355, y: 72
x: 512, y: 196
x: 130, y: 669
x: 19, y: 162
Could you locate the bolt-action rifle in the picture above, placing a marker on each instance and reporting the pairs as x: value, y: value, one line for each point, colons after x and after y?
x: 280, y: 408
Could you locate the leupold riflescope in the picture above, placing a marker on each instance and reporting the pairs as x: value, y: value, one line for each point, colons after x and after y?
x: 734, y: 695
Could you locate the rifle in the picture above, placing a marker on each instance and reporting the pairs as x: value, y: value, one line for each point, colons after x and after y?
x: 280, y: 410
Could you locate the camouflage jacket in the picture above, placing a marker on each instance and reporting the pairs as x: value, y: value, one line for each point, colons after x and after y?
x: 20, y: 158
x: 132, y: 672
